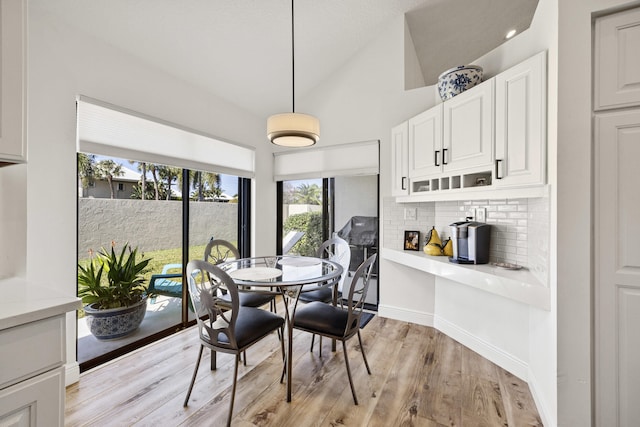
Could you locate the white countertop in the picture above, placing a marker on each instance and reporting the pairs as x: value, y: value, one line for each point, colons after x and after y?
x: 518, y: 285
x: 22, y: 302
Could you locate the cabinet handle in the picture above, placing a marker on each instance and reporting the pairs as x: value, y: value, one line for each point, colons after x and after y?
x: 404, y: 182
x: 444, y: 156
x: 435, y: 157
x: 498, y: 169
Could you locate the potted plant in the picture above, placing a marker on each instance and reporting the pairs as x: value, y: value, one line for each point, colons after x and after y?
x: 112, y: 288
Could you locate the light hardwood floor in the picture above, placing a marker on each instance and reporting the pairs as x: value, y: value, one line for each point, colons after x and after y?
x: 420, y: 377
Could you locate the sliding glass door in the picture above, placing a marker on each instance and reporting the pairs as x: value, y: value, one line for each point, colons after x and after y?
x: 313, y: 210
x: 165, y: 212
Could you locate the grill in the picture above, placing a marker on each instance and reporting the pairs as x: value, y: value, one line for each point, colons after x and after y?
x: 361, y: 232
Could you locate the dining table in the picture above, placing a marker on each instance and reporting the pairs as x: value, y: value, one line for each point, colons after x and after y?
x: 286, y: 275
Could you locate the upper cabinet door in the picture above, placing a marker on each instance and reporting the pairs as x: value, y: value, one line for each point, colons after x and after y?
x: 468, y: 129
x: 425, y: 143
x: 617, y: 60
x: 13, y: 82
x: 520, y: 123
x: 399, y: 160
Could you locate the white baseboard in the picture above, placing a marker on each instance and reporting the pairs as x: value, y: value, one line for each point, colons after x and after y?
x: 541, y: 405
x: 487, y: 350
x: 413, y: 316
x: 72, y: 373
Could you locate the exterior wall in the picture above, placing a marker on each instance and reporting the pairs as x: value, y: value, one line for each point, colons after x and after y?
x: 289, y: 210
x: 151, y: 225
x: 100, y: 189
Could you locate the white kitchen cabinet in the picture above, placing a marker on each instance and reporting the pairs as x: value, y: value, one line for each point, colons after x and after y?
x: 425, y: 143
x: 489, y: 141
x: 13, y: 19
x: 32, y: 376
x: 400, y: 160
x: 617, y: 60
x: 520, y: 109
x: 32, y: 353
x: 468, y: 130
x: 30, y: 402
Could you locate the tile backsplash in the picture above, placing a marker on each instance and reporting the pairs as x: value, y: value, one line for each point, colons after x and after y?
x: 519, y: 232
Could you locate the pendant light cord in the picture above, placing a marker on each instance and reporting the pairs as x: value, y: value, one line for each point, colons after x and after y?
x: 293, y: 63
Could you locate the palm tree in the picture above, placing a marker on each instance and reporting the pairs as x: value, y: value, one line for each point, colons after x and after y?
x: 108, y: 169
x: 142, y: 167
x: 86, y: 169
x: 205, y: 183
x: 213, y: 180
x: 154, y: 174
x: 306, y: 194
x: 169, y: 174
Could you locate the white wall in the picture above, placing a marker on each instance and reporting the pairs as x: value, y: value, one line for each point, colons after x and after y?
x: 363, y: 101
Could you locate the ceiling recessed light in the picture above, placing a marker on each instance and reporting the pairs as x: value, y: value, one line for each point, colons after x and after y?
x: 510, y: 34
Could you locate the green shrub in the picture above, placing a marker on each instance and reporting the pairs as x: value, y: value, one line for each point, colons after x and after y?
x: 112, y: 280
x: 311, y: 224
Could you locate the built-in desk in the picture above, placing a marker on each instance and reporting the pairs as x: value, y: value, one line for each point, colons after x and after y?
x: 518, y: 285
x: 32, y: 353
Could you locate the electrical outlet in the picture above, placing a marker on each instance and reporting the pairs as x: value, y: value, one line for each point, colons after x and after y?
x: 481, y: 214
x: 411, y: 213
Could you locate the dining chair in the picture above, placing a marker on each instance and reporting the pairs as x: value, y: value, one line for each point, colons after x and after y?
x: 335, y: 249
x: 338, y: 250
x: 218, y: 251
x: 340, y: 322
x: 225, y: 326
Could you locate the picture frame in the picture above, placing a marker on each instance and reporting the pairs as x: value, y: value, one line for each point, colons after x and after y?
x: 411, y: 240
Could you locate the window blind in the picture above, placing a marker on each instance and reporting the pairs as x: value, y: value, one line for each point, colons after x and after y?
x: 107, y: 130
x: 360, y: 158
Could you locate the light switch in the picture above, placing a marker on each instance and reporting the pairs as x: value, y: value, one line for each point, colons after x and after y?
x: 481, y: 214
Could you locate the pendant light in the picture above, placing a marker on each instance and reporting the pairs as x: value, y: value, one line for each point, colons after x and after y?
x: 293, y: 129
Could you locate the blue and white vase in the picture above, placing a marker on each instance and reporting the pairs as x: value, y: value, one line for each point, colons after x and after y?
x: 458, y: 79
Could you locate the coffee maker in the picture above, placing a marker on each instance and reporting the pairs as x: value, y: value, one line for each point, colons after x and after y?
x: 470, y: 242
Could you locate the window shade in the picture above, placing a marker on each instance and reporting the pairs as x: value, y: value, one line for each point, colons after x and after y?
x: 361, y: 158
x: 110, y: 131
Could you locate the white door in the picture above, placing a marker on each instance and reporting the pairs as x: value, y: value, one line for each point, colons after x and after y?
x: 618, y: 268
x: 617, y: 223
x: 468, y: 129
x: 425, y: 143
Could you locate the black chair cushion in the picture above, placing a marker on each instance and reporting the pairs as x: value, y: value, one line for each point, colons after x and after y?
x: 252, y: 324
x: 321, y: 318
x: 250, y: 299
x: 322, y: 294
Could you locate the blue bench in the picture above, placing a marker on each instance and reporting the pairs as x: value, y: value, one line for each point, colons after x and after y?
x: 161, y: 284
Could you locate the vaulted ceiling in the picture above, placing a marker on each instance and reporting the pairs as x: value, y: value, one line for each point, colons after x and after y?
x: 240, y: 50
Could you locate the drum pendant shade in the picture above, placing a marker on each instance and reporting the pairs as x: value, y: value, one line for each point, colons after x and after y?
x: 293, y: 129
